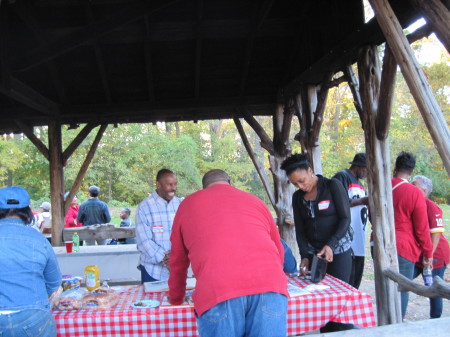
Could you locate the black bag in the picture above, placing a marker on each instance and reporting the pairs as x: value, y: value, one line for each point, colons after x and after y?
x: 318, y: 269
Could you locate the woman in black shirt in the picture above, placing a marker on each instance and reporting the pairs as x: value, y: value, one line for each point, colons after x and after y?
x: 322, y: 218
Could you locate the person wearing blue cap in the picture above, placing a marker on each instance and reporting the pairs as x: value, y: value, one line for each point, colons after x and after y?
x: 29, y: 270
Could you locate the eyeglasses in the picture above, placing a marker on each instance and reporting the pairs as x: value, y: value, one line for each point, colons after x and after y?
x: 309, y: 204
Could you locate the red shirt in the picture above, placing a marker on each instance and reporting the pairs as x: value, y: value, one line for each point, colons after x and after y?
x: 71, y: 216
x: 412, y: 233
x: 232, y: 243
x: 441, y: 255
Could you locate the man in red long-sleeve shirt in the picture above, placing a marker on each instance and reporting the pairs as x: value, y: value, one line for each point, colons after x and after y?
x: 411, y: 222
x: 231, y: 240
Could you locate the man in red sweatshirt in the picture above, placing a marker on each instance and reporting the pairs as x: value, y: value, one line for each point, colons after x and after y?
x: 231, y: 240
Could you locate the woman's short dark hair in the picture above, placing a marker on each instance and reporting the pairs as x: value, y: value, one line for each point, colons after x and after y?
x: 296, y: 162
x: 405, y: 162
x: 25, y: 214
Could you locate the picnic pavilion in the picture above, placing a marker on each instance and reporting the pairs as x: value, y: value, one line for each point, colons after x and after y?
x: 66, y: 63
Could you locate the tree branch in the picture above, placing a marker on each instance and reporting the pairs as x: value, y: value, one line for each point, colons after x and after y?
x: 439, y: 289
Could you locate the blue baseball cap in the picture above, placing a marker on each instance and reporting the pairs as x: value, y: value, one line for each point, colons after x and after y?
x: 14, y: 197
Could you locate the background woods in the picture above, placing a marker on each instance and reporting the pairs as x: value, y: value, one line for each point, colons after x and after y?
x: 129, y: 155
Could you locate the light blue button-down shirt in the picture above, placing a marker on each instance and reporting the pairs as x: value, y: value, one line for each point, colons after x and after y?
x: 154, y: 218
x: 29, y: 271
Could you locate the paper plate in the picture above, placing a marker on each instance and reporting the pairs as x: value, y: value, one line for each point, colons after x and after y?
x: 145, y: 304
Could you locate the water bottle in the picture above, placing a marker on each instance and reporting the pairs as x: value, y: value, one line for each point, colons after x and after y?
x: 76, y: 242
x: 427, y: 276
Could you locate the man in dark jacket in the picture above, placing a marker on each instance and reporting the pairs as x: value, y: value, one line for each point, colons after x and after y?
x: 93, y: 212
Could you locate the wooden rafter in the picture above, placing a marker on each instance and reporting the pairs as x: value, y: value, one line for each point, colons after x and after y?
x: 415, y: 79
x: 258, y: 165
x: 338, y: 57
x: 198, y: 50
x: 296, y: 45
x: 148, y: 60
x: 437, y: 16
x: 259, y: 14
x: 5, y: 70
x: 84, y: 167
x: 99, y: 57
x: 28, y: 131
x: 266, y: 142
x: 26, y: 95
x: 23, y: 11
x: 89, y: 33
x: 77, y: 141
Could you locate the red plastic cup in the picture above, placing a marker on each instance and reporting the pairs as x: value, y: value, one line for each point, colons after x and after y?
x: 69, y: 246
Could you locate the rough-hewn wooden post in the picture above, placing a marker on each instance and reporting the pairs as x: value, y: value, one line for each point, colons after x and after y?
x: 279, y: 149
x: 56, y: 180
x: 415, y: 78
x: 378, y: 178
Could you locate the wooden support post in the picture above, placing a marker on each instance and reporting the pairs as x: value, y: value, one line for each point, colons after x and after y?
x: 56, y: 180
x: 415, y: 78
x: 379, y: 184
x: 84, y: 167
x: 278, y: 149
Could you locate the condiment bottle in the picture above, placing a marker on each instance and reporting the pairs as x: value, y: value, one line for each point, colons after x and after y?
x: 92, y: 277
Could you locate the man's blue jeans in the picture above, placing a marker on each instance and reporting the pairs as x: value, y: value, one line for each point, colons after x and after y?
x: 28, y: 323
x: 260, y: 315
x: 435, y: 303
x: 406, y: 268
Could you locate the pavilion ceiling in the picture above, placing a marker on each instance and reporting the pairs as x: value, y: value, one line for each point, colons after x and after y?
x: 119, y: 61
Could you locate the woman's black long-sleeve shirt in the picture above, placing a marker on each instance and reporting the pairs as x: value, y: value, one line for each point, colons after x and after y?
x: 324, y: 221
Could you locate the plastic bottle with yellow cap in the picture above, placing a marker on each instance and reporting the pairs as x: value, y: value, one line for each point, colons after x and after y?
x: 92, y: 277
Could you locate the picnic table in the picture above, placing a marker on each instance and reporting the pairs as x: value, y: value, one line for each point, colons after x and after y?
x: 339, y: 302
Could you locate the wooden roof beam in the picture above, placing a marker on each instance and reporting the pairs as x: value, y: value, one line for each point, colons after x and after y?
x: 437, y: 16
x: 344, y: 52
x: 89, y: 33
x: 148, y: 61
x: 77, y: 141
x: 198, y: 50
x: 99, y: 57
x: 29, y: 132
x: 259, y: 14
x: 29, y: 19
x: 26, y: 95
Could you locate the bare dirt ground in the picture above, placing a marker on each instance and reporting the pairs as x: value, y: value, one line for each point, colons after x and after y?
x: 418, y: 306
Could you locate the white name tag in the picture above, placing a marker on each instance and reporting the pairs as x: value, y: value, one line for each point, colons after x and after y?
x: 323, y: 205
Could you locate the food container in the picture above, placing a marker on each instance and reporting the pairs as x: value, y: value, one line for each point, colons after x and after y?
x: 92, y: 277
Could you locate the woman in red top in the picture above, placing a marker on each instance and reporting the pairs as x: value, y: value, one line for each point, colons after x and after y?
x: 412, y: 233
x: 441, y: 250
x: 72, y: 213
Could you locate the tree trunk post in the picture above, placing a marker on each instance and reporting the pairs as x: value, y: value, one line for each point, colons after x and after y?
x: 379, y: 185
x: 415, y: 78
x: 56, y: 180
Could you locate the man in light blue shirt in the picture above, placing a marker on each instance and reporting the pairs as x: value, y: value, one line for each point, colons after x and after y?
x: 154, y: 218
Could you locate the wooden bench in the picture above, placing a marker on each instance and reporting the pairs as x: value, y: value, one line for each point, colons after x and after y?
x: 102, y: 232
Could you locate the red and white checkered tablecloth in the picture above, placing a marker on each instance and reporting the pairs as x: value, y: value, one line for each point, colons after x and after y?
x: 340, y: 303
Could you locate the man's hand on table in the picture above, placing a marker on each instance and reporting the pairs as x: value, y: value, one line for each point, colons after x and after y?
x: 166, y: 258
